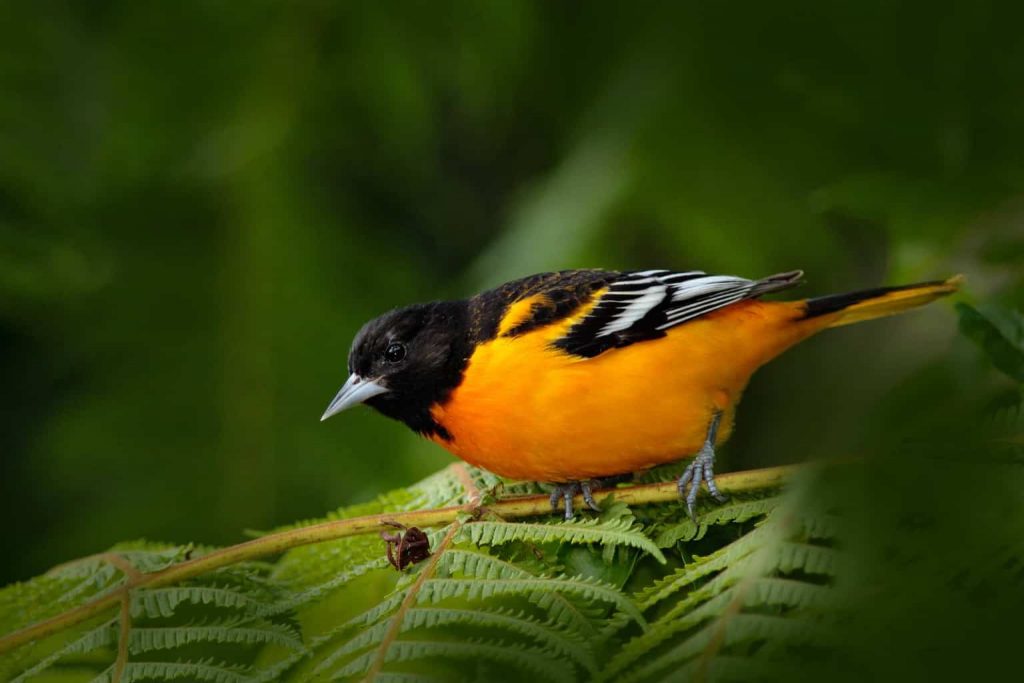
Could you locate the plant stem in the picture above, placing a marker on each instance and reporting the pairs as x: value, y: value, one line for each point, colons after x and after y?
x: 273, y: 544
x: 410, y: 599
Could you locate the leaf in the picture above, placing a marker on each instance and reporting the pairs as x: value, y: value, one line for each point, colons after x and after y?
x: 1004, y: 352
x: 163, y: 602
x: 206, y: 670
x: 612, y: 532
x: 733, y: 511
x: 147, y: 639
x: 425, y: 619
x: 102, y: 636
x: 538, y: 662
x: 770, y: 570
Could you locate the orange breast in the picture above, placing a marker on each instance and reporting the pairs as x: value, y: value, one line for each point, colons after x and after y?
x: 527, y: 411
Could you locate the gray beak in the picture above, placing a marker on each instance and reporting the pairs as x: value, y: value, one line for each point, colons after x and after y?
x: 356, y: 390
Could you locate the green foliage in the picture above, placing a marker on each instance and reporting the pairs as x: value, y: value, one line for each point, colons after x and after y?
x: 1002, y: 340
x: 769, y: 589
x: 768, y: 586
x: 619, y: 532
x: 502, y: 597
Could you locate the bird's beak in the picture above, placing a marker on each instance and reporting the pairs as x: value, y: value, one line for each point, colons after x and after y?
x: 356, y: 390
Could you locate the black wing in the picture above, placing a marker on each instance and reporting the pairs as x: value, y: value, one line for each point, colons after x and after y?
x: 642, y: 305
x: 564, y: 291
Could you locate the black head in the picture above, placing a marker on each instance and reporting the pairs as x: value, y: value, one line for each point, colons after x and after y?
x: 407, y: 360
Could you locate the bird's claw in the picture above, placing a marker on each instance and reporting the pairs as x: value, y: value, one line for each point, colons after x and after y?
x: 566, y: 492
x: 701, y: 470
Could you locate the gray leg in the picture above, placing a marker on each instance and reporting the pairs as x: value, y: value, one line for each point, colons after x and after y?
x: 567, y: 491
x: 564, y: 492
x: 702, y: 469
x: 588, y: 496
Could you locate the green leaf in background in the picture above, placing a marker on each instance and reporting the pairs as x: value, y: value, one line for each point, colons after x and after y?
x: 1004, y: 351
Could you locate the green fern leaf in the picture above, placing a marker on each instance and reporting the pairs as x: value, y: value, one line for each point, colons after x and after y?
x: 618, y: 532
x: 479, y: 565
x: 534, y: 662
x: 516, y: 623
x: 700, y: 568
x: 101, y: 636
x: 731, y: 631
x: 542, y: 591
x: 732, y: 512
x: 389, y: 677
x: 190, y: 671
x: 716, y: 593
x: 147, y: 639
x: 162, y: 602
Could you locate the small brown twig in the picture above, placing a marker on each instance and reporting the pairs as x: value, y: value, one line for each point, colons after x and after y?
x: 473, y: 495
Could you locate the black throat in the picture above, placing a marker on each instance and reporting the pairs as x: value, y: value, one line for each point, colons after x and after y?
x: 443, y: 350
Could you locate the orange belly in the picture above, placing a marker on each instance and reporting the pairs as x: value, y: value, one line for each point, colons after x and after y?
x: 526, y: 411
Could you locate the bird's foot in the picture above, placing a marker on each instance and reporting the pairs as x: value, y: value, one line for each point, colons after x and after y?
x: 702, y: 469
x: 567, y: 491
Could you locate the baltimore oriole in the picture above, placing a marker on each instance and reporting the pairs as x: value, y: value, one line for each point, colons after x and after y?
x: 579, y: 377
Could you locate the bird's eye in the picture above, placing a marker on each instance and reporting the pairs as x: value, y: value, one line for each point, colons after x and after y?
x: 395, y: 353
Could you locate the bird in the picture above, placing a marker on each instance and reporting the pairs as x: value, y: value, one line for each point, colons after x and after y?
x: 582, y: 378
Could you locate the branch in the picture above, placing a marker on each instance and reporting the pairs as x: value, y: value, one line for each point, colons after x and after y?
x: 273, y: 544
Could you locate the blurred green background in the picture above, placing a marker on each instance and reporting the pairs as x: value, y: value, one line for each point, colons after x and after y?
x: 201, y: 202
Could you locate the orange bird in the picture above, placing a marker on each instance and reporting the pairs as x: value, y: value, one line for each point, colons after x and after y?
x: 582, y: 377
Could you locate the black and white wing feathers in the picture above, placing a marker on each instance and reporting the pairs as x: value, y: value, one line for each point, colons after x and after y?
x: 642, y: 305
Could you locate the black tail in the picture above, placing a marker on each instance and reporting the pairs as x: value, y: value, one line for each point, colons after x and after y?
x: 867, y: 304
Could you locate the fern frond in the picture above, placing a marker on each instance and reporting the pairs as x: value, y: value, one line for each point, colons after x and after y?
x: 206, y: 670
x: 162, y: 602
x: 715, y: 602
x: 150, y: 638
x: 616, y: 532
x: 477, y: 565
x: 317, y: 566
x: 699, y: 568
x: 499, y: 621
x: 508, y: 621
x: 737, y: 594
x: 480, y: 564
x: 820, y: 527
x: 564, y: 616
x: 146, y: 556
x: 38, y: 598
x: 541, y: 591
x: 809, y: 559
x: 91, y: 576
x: 399, y: 677
x: 790, y: 557
x: 363, y: 620
x: 536, y: 662
x: 738, y: 668
x: 731, y: 512
x: 101, y: 636
x: 363, y: 640
x: 295, y: 599
x: 736, y: 630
